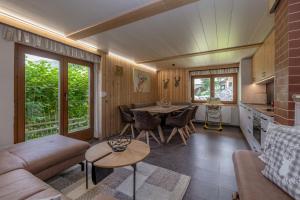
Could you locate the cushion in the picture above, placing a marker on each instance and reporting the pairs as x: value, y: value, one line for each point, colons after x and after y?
x: 9, y: 162
x: 45, y: 152
x: 252, y: 185
x: 283, y: 158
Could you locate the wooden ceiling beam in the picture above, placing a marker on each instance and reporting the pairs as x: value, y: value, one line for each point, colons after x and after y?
x: 250, y: 46
x: 132, y: 16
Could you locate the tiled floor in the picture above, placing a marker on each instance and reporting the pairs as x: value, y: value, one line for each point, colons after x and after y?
x: 206, y: 158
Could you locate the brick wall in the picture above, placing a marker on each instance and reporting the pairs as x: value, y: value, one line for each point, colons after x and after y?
x: 287, y: 59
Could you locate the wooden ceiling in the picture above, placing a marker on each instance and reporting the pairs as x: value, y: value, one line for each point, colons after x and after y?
x: 189, y: 27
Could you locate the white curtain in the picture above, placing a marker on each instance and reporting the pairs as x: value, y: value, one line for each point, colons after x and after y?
x: 23, y: 37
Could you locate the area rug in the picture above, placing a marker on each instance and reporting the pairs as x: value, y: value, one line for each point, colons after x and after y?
x: 152, y: 183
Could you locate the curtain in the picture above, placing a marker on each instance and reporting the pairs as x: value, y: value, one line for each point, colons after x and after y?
x: 215, y: 71
x: 23, y: 37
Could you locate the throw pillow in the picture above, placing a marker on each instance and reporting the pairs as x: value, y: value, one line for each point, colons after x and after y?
x: 283, y: 159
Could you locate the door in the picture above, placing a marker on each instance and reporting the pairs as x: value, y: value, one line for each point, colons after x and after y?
x: 78, y: 97
x: 53, y: 95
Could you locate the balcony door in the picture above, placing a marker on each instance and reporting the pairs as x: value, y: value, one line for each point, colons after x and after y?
x: 53, y: 95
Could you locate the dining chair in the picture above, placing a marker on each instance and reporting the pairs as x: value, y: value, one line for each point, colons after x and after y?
x: 146, y: 123
x: 179, y: 123
x: 127, y: 118
x: 193, y: 118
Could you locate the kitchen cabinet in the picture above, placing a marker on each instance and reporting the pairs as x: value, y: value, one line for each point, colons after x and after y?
x: 264, y: 122
x: 264, y: 59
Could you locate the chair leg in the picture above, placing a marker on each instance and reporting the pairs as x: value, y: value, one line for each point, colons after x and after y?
x: 193, y: 126
x: 174, y: 131
x: 147, y: 137
x: 125, y: 128
x: 132, y: 131
x: 189, y: 130
x: 161, y: 134
x: 181, y: 132
x: 155, y: 138
x: 142, y: 133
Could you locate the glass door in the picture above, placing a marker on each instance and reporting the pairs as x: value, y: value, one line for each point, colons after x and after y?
x: 53, y: 95
x: 79, y: 99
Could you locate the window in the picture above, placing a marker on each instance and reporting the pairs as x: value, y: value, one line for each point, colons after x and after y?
x: 220, y: 86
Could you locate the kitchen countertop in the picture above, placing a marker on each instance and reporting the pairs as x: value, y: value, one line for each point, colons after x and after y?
x: 262, y: 108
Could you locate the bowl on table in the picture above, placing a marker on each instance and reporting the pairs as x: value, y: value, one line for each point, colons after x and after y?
x: 119, y: 143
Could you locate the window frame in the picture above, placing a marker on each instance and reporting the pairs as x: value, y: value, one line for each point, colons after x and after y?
x: 212, y: 86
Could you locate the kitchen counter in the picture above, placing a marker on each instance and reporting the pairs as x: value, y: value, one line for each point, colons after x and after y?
x: 262, y: 108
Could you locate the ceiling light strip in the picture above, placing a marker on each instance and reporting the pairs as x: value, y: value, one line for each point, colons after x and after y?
x: 132, y: 62
x: 34, y: 25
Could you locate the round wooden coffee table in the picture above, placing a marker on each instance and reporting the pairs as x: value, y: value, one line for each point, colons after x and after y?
x: 101, y: 155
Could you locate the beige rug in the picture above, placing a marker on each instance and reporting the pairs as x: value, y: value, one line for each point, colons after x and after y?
x: 152, y: 183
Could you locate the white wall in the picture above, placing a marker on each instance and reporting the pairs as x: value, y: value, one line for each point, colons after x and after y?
x: 230, y: 114
x: 6, y: 92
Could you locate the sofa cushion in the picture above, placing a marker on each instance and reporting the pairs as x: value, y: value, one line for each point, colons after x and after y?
x: 48, y: 151
x: 251, y: 183
x: 283, y: 159
x: 9, y: 162
x: 20, y: 184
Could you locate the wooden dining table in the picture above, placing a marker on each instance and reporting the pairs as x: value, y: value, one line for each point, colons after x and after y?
x: 161, y: 110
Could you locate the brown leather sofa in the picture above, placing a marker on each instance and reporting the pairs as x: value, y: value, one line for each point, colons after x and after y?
x: 23, y: 166
x: 252, y: 185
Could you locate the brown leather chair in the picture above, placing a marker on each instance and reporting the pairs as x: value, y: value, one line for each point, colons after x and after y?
x: 127, y: 118
x: 179, y: 123
x: 145, y: 122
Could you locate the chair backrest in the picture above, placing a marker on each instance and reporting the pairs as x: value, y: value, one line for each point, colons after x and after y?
x: 181, y: 119
x: 144, y: 120
x: 126, y: 114
x: 195, y: 108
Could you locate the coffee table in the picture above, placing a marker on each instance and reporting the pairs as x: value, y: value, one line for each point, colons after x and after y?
x: 101, y: 155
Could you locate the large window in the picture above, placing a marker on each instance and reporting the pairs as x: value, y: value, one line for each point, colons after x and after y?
x: 220, y: 86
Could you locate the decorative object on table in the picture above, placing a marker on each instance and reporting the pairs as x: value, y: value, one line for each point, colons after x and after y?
x: 119, y: 143
x: 166, y: 83
x: 119, y: 70
x: 213, y: 114
x: 164, y: 103
x: 154, y: 182
x: 141, y: 81
x: 177, y: 81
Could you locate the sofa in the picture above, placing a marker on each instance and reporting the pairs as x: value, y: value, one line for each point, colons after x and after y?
x: 25, y: 166
x: 252, y: 185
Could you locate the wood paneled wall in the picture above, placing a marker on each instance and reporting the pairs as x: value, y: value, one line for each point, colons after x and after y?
x: 172, y: 93
x: 119, y: 91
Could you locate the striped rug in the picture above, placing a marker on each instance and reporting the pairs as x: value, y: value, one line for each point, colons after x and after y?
x: 152, y: 183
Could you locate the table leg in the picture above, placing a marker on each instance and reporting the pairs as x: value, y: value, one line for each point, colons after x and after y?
x: 86, y: 175
x: 134, y: 179
x: 161, y: 134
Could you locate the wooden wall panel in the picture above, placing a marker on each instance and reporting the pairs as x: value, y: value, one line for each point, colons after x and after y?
x: 172, y: 93
x: 119, y: 91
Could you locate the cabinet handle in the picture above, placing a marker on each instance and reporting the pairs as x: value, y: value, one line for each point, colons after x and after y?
x: 263, y: 74
x: 263, y: 130
x: 249, y: 117
x: 249, y: 110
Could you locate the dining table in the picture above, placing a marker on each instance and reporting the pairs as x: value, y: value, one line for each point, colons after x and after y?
x: 161, y: 110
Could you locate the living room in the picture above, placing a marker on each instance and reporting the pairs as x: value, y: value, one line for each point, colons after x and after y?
x: 150, y: 99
